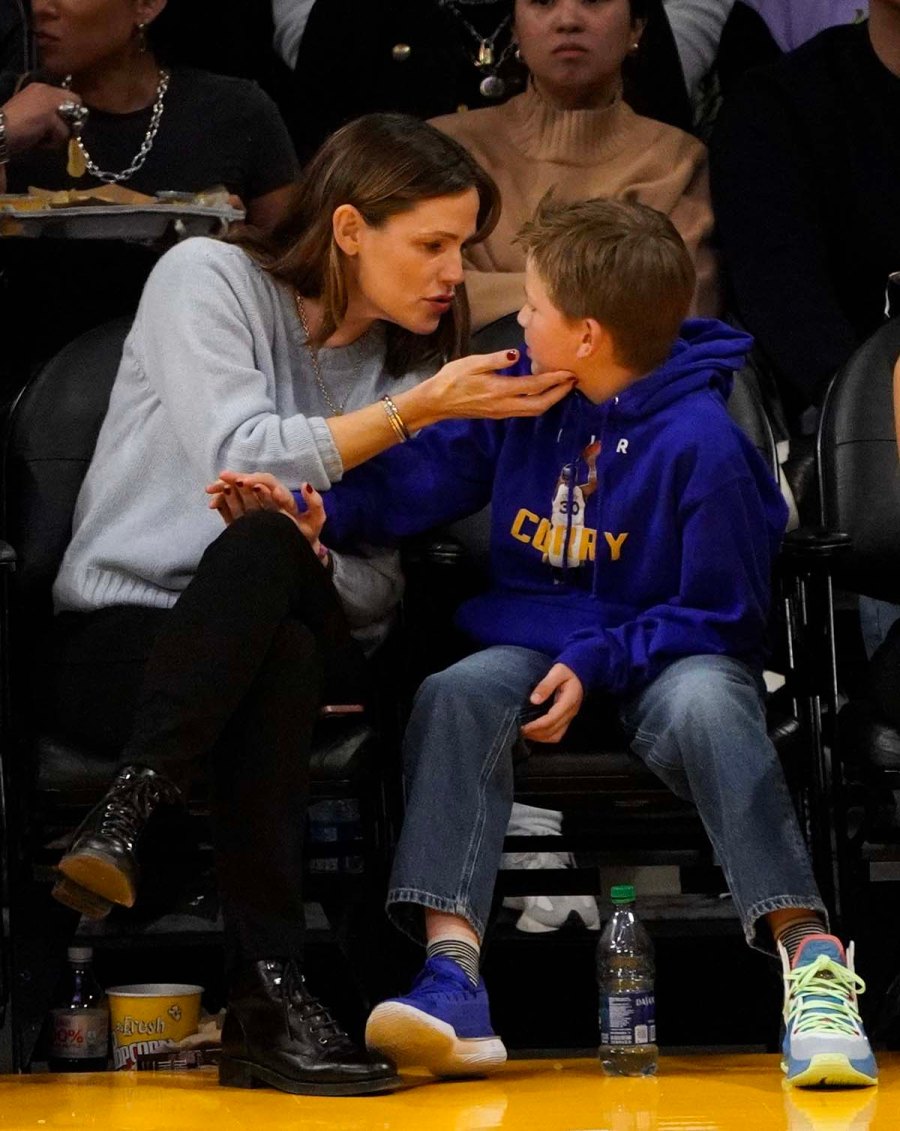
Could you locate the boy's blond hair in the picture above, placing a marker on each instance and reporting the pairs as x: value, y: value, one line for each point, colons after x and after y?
x: 620, y: 263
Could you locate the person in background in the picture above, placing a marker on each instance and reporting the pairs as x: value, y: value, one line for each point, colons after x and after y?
x: 14, y: 53
x: 697, y: 27
x: 431, y: 57
x: 571, y: 132
x: 806, y: 188
x: 759, y: 32
x: 180, y: 654
x: 31, y: 120
x: 151, y: 127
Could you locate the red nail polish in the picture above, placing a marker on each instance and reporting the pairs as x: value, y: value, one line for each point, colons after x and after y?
x: 512, y: 354
x: 239, y: 482
x: 307, y: 488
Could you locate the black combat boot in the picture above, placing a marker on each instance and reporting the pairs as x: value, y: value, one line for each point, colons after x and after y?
x: 100, y: 867
x: 276, y: 1033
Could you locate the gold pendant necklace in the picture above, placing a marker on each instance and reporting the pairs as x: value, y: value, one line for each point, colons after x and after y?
x: 337, y: 409
x: 486, y: 60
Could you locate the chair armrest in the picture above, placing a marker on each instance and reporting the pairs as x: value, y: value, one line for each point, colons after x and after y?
x: 7, y: 556
x: 814, y: 549
x: 436, y: 548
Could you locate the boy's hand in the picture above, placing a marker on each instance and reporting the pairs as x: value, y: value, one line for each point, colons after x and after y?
x: 234, y: 494
x: 568, y: 694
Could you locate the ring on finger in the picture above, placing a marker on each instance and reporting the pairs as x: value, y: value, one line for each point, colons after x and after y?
x: 73, y: 114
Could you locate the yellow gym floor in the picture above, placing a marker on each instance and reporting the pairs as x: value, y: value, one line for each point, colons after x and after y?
x: 691, y: 1093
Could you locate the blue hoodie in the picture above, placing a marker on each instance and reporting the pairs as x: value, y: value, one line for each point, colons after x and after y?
x: 624, y: 535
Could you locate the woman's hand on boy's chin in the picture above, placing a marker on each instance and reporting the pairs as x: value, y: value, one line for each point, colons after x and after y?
x: 235, y: 494
x: 470, y: 387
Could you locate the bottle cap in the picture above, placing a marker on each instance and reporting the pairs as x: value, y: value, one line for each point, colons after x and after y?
x: 622, y: 893
x: 81, y: 953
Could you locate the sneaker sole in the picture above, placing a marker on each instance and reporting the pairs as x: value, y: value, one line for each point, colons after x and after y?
x: 99, y: 875
x: 413, y: 1038
x: 234, y: 1073
x: 830, y: 1070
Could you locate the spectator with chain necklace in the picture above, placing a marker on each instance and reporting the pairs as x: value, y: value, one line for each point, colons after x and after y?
x: 150, y: 128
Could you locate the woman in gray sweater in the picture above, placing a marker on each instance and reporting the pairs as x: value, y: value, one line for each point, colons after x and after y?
x: 178, y: 648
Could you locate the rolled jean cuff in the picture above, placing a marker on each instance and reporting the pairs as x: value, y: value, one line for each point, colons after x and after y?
x: 757, y: 931
x: 402, y: 904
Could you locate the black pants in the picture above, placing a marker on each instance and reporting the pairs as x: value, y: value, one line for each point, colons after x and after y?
x: 228, y: 682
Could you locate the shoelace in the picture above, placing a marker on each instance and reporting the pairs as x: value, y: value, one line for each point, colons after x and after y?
x: 130, y: 802
x: 822, y: 998
x: 313, y: 1012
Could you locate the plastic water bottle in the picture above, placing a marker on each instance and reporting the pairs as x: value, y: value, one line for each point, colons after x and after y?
x: 627, y: 1001
x: 79, y: 1024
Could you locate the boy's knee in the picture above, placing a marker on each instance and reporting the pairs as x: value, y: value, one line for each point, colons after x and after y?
x: 708, y: 691
x: 496, y: 675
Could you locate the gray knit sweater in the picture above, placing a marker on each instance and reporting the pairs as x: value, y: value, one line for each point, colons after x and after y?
x: 215, y: 374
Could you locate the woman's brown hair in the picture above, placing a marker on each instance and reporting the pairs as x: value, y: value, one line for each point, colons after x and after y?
x: 382, y: 164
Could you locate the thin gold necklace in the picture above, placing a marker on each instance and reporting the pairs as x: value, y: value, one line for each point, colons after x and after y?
x: 337, y: 409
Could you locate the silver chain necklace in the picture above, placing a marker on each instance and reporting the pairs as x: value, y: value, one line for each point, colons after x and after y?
x: 491, y: 86
x: 337, y: 409
x: 146, y: 144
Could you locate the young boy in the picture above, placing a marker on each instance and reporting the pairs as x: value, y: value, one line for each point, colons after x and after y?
x: 633, y: 533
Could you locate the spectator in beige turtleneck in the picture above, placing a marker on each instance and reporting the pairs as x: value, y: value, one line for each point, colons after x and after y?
x: 570, y: 131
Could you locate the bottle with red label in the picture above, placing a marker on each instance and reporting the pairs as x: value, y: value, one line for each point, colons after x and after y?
x: 79, y: 1023
x: 625, y: 971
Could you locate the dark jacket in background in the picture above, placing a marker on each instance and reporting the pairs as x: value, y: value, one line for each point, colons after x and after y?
x: 805, y: 165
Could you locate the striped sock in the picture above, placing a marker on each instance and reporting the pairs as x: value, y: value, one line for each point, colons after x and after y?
x: 794, y: 932
x: 463, y: 953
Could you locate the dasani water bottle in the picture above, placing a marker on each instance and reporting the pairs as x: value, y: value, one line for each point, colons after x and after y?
x: 627, y: 1001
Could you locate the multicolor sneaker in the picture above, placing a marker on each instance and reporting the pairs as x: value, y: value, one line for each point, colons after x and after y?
x: 825, y: 1044
x: 443, y: 1024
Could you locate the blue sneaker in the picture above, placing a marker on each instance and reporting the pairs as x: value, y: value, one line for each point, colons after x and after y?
x: 443, y: 1024
x: 825, y: 1044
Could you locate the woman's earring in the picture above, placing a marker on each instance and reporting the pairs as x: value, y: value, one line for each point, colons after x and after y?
x: 634, y: 47
x: 142, y: 38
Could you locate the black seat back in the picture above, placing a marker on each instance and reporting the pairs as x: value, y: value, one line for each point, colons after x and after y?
x: 859, y: 468
x: 50, y: 439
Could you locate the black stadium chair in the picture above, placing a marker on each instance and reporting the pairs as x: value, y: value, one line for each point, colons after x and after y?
x: 859, y: 475
x: 49, y: 782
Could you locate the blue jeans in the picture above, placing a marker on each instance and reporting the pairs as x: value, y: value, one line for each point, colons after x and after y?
x: 699, y: 726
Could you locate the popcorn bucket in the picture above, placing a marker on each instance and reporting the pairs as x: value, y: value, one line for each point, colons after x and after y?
x: 149, y: 1018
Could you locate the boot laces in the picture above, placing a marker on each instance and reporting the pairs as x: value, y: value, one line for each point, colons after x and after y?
x: 312, y: 1012
x: 129, y: 804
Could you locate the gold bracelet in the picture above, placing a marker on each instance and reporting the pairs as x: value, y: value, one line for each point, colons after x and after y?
x: 393, y: 415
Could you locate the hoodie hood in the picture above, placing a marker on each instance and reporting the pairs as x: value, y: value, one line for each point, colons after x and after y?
x: 704, y: 356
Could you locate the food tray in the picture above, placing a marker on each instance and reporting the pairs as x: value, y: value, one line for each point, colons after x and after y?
x: 139, y: 223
